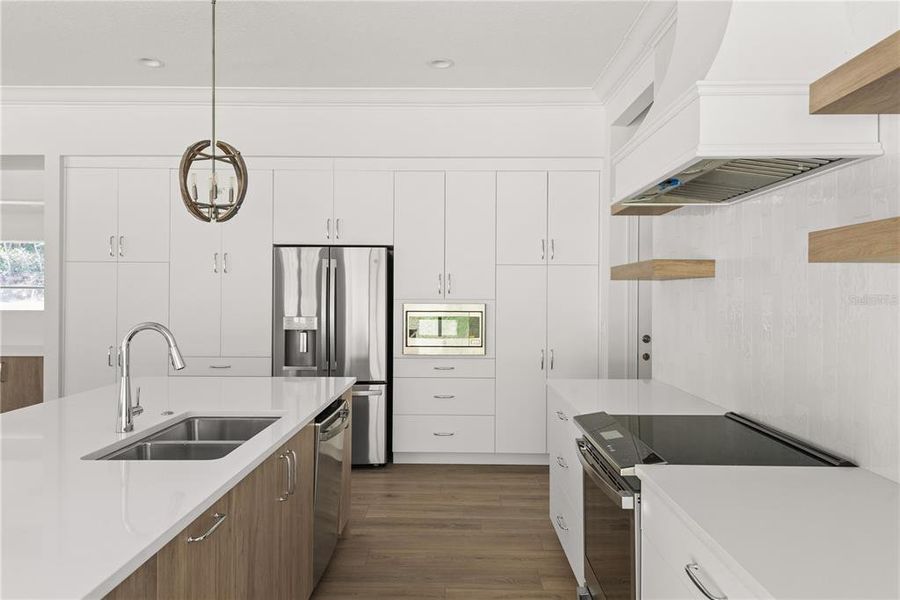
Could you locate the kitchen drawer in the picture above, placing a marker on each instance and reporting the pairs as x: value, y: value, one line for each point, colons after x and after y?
x: 443, y: 396
x: 568, y: 523
x: 429, y: 433
x: 444, y: 367
x: 662, y: 527
x: 659, y: 580
x: 224, y: 366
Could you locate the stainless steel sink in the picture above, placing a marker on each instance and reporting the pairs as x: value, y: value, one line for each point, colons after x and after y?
x: 192, y: 438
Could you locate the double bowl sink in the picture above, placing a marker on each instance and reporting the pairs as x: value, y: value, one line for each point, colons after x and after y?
x: 193, y: 438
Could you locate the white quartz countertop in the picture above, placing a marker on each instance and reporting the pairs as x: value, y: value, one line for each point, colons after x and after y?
x: 799, y: 532
x: 629, y: 397
x: 74, y: 528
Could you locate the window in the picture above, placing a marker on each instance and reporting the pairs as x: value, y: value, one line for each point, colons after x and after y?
x: 21, y: 275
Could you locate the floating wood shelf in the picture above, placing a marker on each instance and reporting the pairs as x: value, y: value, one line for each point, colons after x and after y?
x: 868, y: 83
x: 663, y: 269
x: 623, y: 209
x: 872, y: 242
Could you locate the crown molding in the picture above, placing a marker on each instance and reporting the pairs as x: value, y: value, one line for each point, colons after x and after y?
x: 306, y: 97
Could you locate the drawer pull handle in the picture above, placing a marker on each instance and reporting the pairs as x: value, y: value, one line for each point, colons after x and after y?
x: 561, y: 462
x: 444, y: 433
x: 444, y: 368
x: 444, y: 396
x: 220, y: 518
x: 561, y: 523
x: 693, y: 570
x: 219, y: 366
x: 287, y: 477
x: 561, y: 416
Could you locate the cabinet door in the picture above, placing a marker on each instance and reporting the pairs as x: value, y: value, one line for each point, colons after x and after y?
x: 573, y: 321
x: 574, y: 218
x: 521, y: 403
x: 303, y: 207
x: 90, y: 326
x: 297, y: 517
x: 470, y: 234
x: 419, y: 238
x: 364, y: 208
x: 521, y: 218
x: 256, y: 512
x: 144, y: 215
x: 91, y: 221
x: 195, y: 285
x: 143, y: 295
x: 247, y: 274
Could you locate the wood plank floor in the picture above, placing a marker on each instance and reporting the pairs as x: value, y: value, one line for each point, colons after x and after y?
x: 450, y: 532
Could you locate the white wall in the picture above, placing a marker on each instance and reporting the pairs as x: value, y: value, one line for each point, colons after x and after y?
x: 808, y: 348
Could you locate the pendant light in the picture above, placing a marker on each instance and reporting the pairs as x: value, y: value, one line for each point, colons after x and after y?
x: 221, y: 202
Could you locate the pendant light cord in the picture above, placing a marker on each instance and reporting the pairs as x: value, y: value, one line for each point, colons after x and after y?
x: 213, y: 144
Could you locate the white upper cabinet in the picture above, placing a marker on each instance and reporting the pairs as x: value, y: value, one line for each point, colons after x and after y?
x: 572, y: 322
x: 522, y: 218
x: 247, y: 274
x: 91, y: 214
x: 90, y: 326
x: 470, y: 234
x: 117, y: 215
x: 363, y: 208
x: 143, y: 295
x: 573, y: 223
x: 419, y: 239
x: 304, y: 207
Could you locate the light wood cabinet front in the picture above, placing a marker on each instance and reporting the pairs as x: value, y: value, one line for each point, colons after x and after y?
x: 21, y: 381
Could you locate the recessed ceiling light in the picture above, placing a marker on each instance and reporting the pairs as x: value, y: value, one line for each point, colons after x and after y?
x: 440, y: 63
x: 151, y: 63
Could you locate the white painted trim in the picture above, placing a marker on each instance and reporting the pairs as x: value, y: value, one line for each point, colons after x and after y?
x: 452, y: 458
x: 470, y: 164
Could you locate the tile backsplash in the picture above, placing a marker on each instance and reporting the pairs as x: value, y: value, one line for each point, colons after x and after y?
x: 809, y: 348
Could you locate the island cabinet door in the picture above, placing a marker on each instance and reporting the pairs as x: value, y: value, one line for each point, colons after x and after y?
x: 296, y: 520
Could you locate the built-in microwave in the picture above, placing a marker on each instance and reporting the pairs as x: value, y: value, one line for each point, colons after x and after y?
x: 444, y: 329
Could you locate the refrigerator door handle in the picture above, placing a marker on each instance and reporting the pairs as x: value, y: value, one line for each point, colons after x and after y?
x: 332, y: 317
x: 322, y: 352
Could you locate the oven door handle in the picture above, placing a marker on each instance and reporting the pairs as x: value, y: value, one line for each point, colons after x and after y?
x: 623, y: 499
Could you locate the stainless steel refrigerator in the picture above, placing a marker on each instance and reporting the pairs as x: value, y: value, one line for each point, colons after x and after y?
x: 330, y: 319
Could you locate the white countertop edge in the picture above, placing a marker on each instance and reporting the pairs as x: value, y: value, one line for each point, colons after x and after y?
x: 136, y: 561
x: 645, y: 474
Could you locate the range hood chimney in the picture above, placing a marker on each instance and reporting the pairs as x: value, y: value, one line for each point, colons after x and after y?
x: 730, y: 116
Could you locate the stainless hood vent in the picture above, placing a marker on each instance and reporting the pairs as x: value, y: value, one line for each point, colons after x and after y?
x: 725, y: 181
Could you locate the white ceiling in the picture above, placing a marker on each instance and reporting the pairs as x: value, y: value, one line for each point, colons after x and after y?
x: 313, y: 44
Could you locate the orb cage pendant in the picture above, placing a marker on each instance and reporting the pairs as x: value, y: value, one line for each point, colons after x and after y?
x: 211, y: 210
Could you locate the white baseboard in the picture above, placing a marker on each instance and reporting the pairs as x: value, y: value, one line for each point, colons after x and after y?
x: 452, y: 458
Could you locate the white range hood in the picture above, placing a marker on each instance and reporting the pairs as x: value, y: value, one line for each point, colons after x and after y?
x: 730, y: 116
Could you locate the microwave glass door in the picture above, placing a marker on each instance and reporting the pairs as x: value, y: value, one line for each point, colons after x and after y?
x: 444, y: 329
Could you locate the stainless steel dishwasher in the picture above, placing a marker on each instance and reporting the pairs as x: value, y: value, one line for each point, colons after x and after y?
x: 331, y: 426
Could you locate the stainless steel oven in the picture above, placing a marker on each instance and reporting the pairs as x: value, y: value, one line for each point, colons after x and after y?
x: 443, y: 329
x: 612, y: 530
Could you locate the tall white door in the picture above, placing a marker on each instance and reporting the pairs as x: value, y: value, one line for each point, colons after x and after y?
x: 364, y: 208
x: 143, y: 295
x: 574, y: 218
x: 470, y: 234
x: 573, y: 321
x: 521, y: 363
x: 419, y: 235
x: 247, y: 274
x: 522, y: 218
x: 91, y: 214
x: 195, y: 282
x: 144, y: 215
x: 303, y: 207
x: 90, y: 326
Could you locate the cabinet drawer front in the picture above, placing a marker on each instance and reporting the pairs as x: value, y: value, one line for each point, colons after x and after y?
x: 427, y: 433
x: 443, y: 396
x: 224, y: 366
x: 444, y: 367
x: 662, y: 527
x: 568, y: 525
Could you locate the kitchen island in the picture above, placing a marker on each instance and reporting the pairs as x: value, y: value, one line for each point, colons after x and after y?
x: 75, y: 528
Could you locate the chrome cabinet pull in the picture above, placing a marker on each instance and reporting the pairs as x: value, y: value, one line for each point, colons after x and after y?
x: 543, y: 248
x: 444, y: 433
x: 112, y: 240
x: 121, y: 245
x: 215, y: 262
x: 561, y: 462
x: 444, y: 368
x: 225, y: 263
x: 449, y: 282
x: 337, y: 228
x: 551, y: 359
x: 561, y: 523
x: 542, y: 359
x: 219, y: 519
x: 440, y: 283
x: 693, y: 570
x: 286, y: 491
x: 561, y: 416
x: 293, y: 479
x: 444, y: 396
x: 109, y: 356
x: 327, y: 229
x: 552, y: 249
x: 219, y: 366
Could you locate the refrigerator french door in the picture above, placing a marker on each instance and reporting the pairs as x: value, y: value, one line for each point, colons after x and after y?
x: 330, y: 319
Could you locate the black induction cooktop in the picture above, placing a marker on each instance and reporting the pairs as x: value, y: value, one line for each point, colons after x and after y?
x: 730, y: 439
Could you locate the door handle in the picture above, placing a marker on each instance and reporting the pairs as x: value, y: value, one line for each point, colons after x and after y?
x: 449, y: 282
x: 440, y: 283
x: 551, y: 359
x: 2, y: 371
x: 337, y: 228
x: 327, y: 229
x: 219, y: 519
x: 112, y: 240
x: 444, y: 433
x: 444, y: 368
x: 219, y: 366
x: 215, y: 262
x: 444, y: 396
x: 286, y: 491
x: 109, y: 356
x: 543, y: 248
x: 552, y: 248
x: 542, y: 359
x: 121, y: 245
x: 225, y: 263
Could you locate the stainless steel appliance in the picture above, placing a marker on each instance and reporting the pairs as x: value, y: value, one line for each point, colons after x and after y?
x: 330, y: 319
x: 454, y: 329
x: 613, y: 444
x: 331, y: 428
